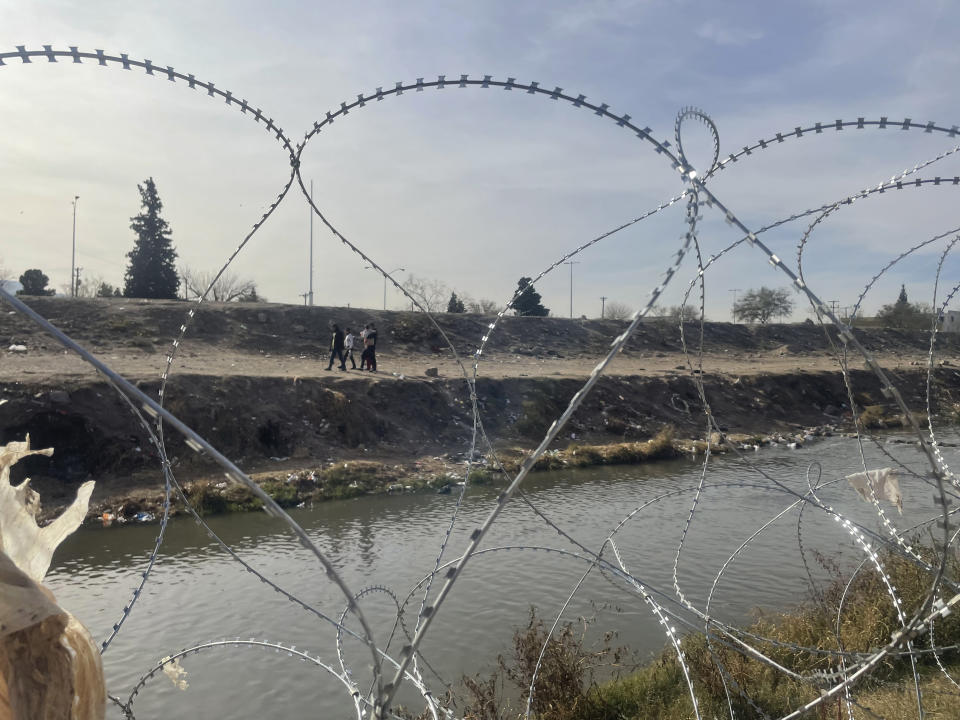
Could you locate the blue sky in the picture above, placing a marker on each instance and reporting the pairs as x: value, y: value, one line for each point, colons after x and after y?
x: 472, y: 187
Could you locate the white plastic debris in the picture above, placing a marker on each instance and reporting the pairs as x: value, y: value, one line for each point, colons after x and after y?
x: 17, y: 348
x: 881, y: 484
x: 54, y: 664
x: 176, y: 673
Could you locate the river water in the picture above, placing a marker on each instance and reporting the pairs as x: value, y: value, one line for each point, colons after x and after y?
x: 198, y: 593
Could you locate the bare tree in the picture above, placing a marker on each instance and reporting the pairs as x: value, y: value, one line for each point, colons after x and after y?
x: 88, y: 287
x: 617, y: 311
x: 483, y: 306
x: 431, y: 294
x: 227, y: 288
x: 688, y: 312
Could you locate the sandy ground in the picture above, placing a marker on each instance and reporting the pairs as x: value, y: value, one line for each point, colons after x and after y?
x: 44, y: 366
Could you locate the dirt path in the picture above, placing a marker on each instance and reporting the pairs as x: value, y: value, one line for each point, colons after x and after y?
x: 198, y: 359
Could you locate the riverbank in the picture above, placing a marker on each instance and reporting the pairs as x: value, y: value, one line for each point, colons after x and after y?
x: 440, y: 474
x: 251, y: 379
x: 853, y: 614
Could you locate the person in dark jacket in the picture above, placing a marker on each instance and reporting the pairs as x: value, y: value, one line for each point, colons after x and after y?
x: 371, y: 341
x: 365, y: 353
x: 336, y: 348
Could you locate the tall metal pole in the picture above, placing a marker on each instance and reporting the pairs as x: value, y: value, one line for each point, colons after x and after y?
x: 400, y: 269
x: 571, y: 263
x: 73, y: 253
x: 603, y: 305
x: 311, y: 244
x: 385, y: 284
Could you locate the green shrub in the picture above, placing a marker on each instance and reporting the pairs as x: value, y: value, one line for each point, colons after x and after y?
x: 205, y: 498
x: 283, y: 493
x: 481, y: 476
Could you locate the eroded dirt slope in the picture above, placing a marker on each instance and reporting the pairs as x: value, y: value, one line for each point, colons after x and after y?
x: 251, y: 379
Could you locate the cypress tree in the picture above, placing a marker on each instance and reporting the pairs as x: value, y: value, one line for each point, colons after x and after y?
x: 528, y: 301
x: 152, y: 271
x: 455, y: 304
x: 902, y: 297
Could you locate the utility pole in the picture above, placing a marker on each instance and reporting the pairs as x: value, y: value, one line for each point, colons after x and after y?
x: 734, y: 312
x: 305, y: 296
x: 73, y: 254
x: 400, y: 269
x: 571, y: 263
x: 833, y: 307
x: 311, y: 244
x: 603, y: 304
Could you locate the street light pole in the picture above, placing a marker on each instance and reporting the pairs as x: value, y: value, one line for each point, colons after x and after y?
x: 400, y: 269
x: 571, y: 263
x: 311, y: 246
x: 73, y: 253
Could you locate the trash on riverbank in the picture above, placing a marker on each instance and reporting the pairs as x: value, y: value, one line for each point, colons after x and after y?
x: 49, y: 663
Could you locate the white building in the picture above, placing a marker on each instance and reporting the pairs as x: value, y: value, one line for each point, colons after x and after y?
x: 950, y: 321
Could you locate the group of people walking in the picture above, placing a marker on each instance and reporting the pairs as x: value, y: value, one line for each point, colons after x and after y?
x: 342, y: 347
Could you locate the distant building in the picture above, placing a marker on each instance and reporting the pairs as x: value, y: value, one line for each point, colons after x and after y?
x: 11, y: 286
x: 950, y: 321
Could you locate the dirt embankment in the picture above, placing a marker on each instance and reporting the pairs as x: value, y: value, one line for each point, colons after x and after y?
x: 251, y: 379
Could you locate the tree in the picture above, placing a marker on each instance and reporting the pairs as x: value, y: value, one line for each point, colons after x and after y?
x: 482, y: 306
x: 105, y: 289
x: 688, y: 312
x: 152, y: 272
x: 455, y: 304
x: 92, y: 286
x: 614, y: 310
x: 905, y: 314
x: 227, y: 288
x: 252, y: 296
x: 35, y: 283
x: 527, y: 301
x: 763, y: 304
x: 429, y: 293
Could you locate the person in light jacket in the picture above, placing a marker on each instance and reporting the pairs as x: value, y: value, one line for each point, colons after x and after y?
x: 348, y: 343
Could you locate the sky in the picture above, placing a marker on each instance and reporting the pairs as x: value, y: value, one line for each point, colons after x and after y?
x: 475, y: 188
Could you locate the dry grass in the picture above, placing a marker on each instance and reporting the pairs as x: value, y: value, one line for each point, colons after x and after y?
x: 867, y: 622
x: 662, y: 446
x: 658, y: 690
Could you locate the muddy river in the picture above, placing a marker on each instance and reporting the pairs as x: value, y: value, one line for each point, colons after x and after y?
x: 198, y: 593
